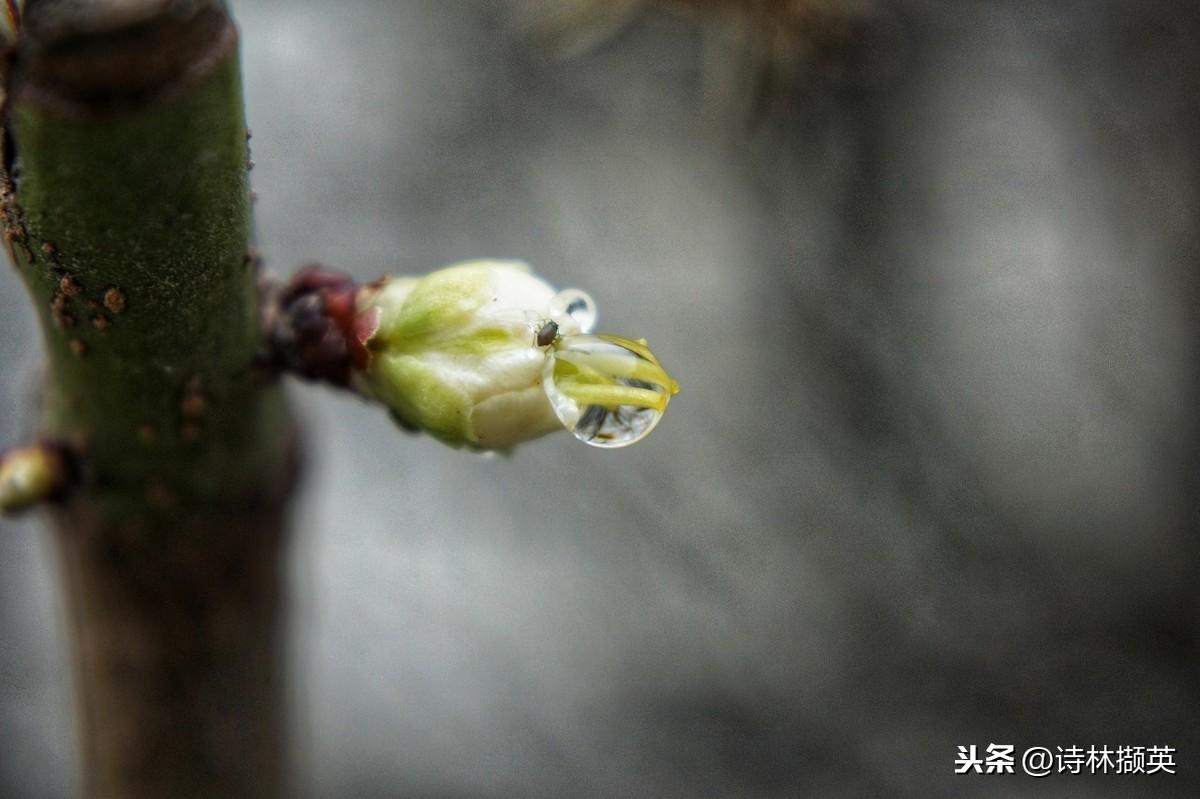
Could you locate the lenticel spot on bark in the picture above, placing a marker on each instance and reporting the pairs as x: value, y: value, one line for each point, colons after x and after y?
x: 193, y: 405
x: 114, y: 300
x: 58, y: 312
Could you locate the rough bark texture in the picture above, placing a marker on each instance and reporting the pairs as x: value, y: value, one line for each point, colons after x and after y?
x: 126, y: 210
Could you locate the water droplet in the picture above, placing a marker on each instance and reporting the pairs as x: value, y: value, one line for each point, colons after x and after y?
x: 576, y: 305
x: 608, y: 391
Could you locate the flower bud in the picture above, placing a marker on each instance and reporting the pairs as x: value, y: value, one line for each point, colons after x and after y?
x: 481, y: 354
x: 456, y: 352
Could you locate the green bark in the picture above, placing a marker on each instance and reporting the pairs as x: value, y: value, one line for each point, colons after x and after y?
x: 126, y: 210
x: 132, y: 236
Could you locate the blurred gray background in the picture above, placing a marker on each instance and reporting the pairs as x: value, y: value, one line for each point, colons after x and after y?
x: 932, y: 478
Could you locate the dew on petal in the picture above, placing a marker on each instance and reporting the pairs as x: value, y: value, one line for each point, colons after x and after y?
x: 576, y: 305
x: 608, y: 391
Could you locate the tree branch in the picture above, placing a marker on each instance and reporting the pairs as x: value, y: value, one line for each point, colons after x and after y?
x: 126, y: 211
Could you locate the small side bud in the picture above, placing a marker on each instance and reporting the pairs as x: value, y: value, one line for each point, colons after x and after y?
x: 31, y: 476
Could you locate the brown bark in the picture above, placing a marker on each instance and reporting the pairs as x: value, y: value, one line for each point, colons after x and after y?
x: 176, y: 637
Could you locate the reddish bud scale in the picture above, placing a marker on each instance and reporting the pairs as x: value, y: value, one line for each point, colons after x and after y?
x: 317, y: 333
x: 364, y: 326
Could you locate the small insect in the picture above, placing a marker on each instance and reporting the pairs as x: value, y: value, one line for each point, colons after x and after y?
x: 546, y: 334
